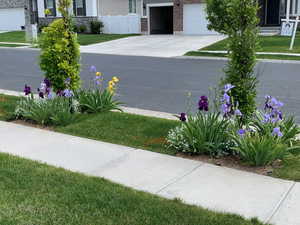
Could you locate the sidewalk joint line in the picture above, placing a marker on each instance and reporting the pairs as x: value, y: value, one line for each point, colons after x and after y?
x: 276, y: 209
x: 179, y: 178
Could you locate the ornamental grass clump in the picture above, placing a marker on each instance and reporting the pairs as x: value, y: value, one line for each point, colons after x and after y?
x: 98, y: 98
x: 203, y: 133
x: 60, y: 53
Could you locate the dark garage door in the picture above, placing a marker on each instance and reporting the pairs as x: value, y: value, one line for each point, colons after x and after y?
x: 161, y: 20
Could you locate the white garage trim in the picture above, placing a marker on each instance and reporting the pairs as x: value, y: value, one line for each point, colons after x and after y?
x: 155, y: 5
x: 194, y: 20
x: 12, y: 18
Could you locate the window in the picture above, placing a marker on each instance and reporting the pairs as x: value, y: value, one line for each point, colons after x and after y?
x: 51, y: 5
x: 132, y: 6
x: 79, y: 8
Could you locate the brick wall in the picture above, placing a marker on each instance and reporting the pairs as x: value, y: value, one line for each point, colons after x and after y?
x: 144, y: 25
x: 45, y: 21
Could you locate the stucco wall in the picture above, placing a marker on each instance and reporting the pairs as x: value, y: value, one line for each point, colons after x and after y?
x: 114, y: 8
x: 12, y: 4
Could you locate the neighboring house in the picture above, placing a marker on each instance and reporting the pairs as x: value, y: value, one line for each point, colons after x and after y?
x: 12, y: 15
x: 138, y: 16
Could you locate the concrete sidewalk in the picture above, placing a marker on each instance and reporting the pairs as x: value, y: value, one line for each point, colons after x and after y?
x: 217, y: 188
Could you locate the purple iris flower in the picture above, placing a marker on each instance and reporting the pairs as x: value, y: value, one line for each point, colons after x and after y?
x: 47, y: 82
x: 241, y: 132
x: 68, y: 93
x: 267, y: 118
x: 183, y: 117
x: 60, y: 93
x: 226, y: 98
x: 27, y: 90
x: 225, y: 109
x: 237, y: 112
x: 50, y: 95
x: 93, y: 69
x: 228, y: 87
x: 203, y: 103
x: 277, y: 132
x: 41, y: 94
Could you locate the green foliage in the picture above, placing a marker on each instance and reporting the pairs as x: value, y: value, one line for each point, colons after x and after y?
x: 288, y: 126
x: 60, y: 53
x: 82, y: 28
x: 201, y: 134
x: 260, y: 150
x: 57, y: 111
x: 94, y: 101
x: 238, y: 19
x: 96, y: 27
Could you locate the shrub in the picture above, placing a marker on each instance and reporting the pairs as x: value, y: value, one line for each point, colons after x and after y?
x: 97, y: 98
x: 201, y: 134
x: 56, y: 111
x: 260, y: 150
x: 96, y: 27
x: 242, y: 35
x: 60, y: 51
x: 94, y: 101
x: 48, y: 109
x: 266, y: 137
x: 41, y: 27
x: 82, y: 28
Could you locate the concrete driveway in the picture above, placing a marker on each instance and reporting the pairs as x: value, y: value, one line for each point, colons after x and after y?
x: 153, y: 45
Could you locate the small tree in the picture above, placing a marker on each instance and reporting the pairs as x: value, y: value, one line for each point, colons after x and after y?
x: 60, y: 52
x: 238, y: 20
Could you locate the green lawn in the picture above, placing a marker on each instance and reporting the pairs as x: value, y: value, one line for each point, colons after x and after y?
x: 34, y: 193
x: 267, y: 44
x: 135, y: 131
x: 87, y: 39
x: 14, y: 36
x: 84, y: 39
x: 260, y: 56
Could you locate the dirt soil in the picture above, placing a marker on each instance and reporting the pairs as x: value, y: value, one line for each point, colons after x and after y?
x: 233, y: 162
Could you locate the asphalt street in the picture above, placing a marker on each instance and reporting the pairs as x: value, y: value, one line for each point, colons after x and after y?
x: 159, y: 84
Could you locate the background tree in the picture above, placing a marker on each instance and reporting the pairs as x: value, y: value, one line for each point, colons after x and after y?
x: 239, y: 21
x: 60, y: 52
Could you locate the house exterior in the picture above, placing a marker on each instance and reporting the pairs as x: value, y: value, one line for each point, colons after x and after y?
x: 12, y: 15
x: 138, y: 16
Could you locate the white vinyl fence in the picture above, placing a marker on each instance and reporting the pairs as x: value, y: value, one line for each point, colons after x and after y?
x: 130, y: 24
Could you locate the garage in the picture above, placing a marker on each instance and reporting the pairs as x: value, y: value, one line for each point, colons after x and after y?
x: 12, y: 19
x: 194, y: 19
x: 161, y: 20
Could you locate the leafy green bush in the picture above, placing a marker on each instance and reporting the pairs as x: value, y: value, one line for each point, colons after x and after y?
x: 94, y: 101
x: 82, y: 28
x: 242, y: 35
x: 260, y: 150
x: 96, y: 27
x: 201, y: 134
x: 60, y: 53
x: 56, y: 111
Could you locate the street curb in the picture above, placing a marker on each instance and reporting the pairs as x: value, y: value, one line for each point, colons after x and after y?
x: 130, y: 110
x: 279, y: 61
